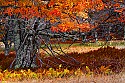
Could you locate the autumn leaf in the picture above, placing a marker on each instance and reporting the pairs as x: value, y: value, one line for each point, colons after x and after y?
x: 55, y: 12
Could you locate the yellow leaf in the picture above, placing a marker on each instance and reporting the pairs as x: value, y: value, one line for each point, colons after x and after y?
x: 60, y: 65
x: 87, y: 69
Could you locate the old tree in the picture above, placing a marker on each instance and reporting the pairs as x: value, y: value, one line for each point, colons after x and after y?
x: 27, y: 23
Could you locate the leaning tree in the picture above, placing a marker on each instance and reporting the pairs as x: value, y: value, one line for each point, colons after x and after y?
x: 28, y: 24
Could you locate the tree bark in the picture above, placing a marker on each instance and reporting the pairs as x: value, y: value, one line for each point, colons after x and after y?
x: 24, y: 47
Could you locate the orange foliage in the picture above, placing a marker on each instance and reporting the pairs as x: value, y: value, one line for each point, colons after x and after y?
x: 66, y: 26
x: 63, y: 27
x: 9, y: 11
x: 122, y: 17
x: 54, y: 29
x: 89, y: 4
x: 57, y: 8
x: 85, y: 27
x: 55, y: 12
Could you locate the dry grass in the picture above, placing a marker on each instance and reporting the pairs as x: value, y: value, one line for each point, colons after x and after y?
x: 117, y: 78
x: 79, y: 49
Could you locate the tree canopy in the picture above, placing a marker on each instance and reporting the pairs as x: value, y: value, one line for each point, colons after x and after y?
x: 65, y: 15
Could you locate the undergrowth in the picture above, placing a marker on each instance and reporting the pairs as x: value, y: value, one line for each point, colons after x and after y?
x: 107, y: 61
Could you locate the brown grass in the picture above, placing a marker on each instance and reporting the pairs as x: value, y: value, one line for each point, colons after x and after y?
x: 117, y: 78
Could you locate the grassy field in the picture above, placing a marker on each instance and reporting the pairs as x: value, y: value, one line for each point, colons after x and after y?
x: 120, y: 43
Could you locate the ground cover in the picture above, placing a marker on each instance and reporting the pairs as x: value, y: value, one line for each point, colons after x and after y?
x: 98, y: 63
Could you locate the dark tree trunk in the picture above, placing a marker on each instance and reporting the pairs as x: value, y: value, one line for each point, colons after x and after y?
x: 25, y: 48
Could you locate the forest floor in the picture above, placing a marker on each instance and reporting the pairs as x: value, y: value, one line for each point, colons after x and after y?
x: 92, y: 49
x: 117, y: 78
